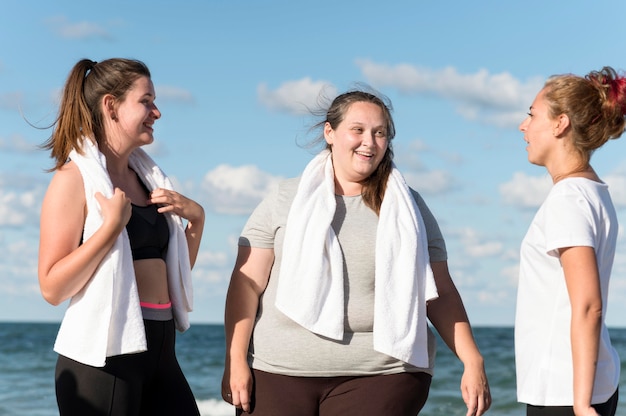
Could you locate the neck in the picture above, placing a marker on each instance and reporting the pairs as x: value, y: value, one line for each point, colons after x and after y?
x: 116, y: 158
x: 585, y: 171
x: 351, y: 189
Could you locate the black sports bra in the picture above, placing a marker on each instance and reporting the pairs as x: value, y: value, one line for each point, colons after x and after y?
x: 148, y: 232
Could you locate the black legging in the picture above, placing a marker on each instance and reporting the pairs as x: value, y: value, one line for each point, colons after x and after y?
x: 607, y: 408
x: 147, y: 383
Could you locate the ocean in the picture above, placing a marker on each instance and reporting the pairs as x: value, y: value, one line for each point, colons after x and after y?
x: 27, y: 370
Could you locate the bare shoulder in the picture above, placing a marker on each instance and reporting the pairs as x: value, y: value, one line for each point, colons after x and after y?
x: 67, y: 184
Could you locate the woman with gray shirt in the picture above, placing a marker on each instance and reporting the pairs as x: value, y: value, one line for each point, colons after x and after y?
x: 336, y: 275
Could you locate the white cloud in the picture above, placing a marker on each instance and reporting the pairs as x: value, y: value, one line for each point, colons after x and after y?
x: 511, y: 273
x: 525, y: 191
x: 430, y: 182
x: 490, y: 297
x: 10, y: 100
x: 474, y: 245
x: 17, y: 209
x: 498, y: 99
x: 19, y: 267
x: 295, y: 97
x: 174, y: 94
x: 17, y: 143
x: 237, y: 190
x: 208, y: 258
x: 617, y: 187
x: 77, y: 30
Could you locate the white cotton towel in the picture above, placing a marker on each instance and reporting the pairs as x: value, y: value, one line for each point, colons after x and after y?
x: 310, y: 289
x: 104, y: 319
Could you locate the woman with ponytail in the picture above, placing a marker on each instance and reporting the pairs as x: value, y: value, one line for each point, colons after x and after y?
x: 113, y: 243
x: 565, y: 362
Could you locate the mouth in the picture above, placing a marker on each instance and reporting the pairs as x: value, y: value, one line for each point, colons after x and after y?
x: 364, y: 154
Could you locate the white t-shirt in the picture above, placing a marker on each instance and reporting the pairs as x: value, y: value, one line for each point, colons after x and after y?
x: 577, y: 212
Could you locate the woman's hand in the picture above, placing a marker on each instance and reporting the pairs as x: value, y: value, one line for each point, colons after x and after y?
x: 116, y: 211
x: 586, y: 411
x: 237, y: 385
x: 172, y: 201
x: 448, y: 316
x: 475, y: 389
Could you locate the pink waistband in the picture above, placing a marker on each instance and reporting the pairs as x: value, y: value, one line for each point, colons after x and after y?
x: 156, y: 305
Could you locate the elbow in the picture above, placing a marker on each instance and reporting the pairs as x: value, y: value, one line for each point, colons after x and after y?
x: 591, y: 313
x: 53, y: 297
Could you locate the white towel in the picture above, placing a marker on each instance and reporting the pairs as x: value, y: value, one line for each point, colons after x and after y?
x: 310, y: 289
x: 104, y: 319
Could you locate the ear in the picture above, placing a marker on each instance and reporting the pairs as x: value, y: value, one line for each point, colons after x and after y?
x: 329, y: 133
x: 108, y: 106
x: 561, y: 124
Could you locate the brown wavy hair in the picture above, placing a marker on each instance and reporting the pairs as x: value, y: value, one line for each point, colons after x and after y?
x: 375, y: 185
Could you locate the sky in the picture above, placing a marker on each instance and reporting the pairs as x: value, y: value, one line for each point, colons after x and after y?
x: 235, y: 81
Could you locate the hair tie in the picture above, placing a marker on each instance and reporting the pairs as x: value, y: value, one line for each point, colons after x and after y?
x: 617, y: 92
x: 90, y: 68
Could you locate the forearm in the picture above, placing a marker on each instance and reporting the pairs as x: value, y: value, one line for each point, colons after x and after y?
x: 240, y: 313
x: 193, y: 234
x: 585, y: 340
x: 583, y: 285
x: 448, y: 315
x: 69, y: 275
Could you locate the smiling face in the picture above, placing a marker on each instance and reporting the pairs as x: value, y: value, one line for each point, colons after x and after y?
x: 539, y: 131
x: 358, y: 145
x: 136, y: 114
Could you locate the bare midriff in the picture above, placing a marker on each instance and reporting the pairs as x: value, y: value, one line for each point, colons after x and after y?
x: 151, y: 277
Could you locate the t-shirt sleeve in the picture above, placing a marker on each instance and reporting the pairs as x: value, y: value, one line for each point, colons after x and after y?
x: 436, y: 243
x: 259, y: 230
x: 568, y: 223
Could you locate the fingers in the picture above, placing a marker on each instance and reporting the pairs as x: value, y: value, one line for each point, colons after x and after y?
x: 171, y: 201
x: 240, y: 399
x: 167, y: 200
x: 116, y: 210
x: 477, y: 403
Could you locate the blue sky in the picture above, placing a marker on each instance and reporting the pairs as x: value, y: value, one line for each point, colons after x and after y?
x: 233, y: 79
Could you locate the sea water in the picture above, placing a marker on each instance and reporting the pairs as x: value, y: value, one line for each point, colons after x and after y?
x: 27, y: 370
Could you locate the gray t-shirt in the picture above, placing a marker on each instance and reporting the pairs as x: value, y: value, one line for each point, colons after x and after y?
x: 281, y: 346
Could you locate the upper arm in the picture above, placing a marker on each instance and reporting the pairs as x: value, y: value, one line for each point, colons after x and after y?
x: 581, y: 276
x: 441, y: 273
x: 253, y: 267
x: 62, y: 217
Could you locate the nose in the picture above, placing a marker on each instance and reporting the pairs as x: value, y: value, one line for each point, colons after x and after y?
x: 369, y: 138
x: 523, y: 125
x: 156, y: 112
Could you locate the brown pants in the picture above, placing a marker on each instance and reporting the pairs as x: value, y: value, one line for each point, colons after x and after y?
x: 401, y: 394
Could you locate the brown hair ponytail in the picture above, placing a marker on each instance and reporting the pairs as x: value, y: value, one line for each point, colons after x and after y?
x: 80, y: 114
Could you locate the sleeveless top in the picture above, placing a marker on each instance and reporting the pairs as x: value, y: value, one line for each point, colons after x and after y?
x: 148, y: 232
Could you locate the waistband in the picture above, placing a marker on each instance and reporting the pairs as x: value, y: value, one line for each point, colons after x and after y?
x: 156, y: 311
